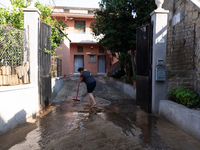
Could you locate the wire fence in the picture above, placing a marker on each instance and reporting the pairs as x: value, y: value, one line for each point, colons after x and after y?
x: 13, y: 69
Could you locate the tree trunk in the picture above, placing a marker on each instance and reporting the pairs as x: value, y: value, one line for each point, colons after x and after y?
x: 133, y: 63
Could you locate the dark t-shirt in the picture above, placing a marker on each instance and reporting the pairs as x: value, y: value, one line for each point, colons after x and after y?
x: 87, y: 77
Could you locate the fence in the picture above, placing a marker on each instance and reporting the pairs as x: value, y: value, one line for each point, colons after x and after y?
x: 13, y: 69
x: 56, y: 67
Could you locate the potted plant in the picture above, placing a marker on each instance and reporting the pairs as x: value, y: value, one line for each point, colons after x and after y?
x: 133, y: 78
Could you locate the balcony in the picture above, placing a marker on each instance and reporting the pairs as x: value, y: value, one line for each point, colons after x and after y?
x: 82, y: 38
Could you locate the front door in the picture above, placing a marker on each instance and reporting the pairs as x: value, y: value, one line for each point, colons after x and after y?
x: 101, y: 64
x: 78, y: 62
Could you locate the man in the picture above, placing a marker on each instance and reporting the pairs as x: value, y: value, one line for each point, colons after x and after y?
x: 90, y: 82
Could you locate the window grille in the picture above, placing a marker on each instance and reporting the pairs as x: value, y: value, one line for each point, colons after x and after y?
x: 92, y: 59
x: 80, y: 49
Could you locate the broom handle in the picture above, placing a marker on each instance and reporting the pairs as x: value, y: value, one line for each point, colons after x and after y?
x: 77, y: 90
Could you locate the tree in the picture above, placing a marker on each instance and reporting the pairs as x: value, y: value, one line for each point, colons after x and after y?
x: 114, y: 20
x: 15, y: 17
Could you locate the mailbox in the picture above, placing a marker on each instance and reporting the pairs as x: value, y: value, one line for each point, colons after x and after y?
x: 160, y: 73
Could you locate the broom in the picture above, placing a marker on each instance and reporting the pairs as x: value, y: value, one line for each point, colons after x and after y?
x: 76, y: 99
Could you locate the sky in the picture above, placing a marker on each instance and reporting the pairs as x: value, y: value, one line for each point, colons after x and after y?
x: 72, y: 3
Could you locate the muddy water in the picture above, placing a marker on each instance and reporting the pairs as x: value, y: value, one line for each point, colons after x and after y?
x: 116, y: 123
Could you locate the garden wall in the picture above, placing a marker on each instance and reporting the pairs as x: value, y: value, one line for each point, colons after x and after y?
x: 181, y: 116
x: 18, y: 104
x: 126, y: 88
x: 56, y: 85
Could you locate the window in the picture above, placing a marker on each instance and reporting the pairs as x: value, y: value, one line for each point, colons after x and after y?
x: 101, y: 49
x: 66, y: 10
x: 79, y: 26
x: 92, y: 58
x: 80, y: 49
x: 90, y: 12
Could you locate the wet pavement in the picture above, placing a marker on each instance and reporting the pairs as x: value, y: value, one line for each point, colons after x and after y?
x: 116, y: 123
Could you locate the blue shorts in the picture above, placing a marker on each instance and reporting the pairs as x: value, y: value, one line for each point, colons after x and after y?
x: 91, y: 86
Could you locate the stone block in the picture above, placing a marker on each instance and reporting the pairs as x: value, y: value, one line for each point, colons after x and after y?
x: 188, y: 7
x: 1, y: 80
x: 4, y: 80
x: 181, y: 2
x: 198, y: 23
x: 25, y: 79
x: 195, y: 15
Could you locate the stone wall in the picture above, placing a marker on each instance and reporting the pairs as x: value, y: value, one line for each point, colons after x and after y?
x: 183, y: 57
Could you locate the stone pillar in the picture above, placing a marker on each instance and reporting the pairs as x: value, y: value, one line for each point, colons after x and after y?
x: 31, y: 28
x: 159, y: 17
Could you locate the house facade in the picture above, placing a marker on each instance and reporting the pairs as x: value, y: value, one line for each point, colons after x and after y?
x: 81, y: 48
x: 183, y: 48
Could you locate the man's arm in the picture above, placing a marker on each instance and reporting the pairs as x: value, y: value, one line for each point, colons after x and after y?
x: 81, y: 79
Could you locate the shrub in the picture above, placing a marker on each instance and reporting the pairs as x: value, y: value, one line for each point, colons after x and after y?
x: 186, y: 97
x: 133, y: 78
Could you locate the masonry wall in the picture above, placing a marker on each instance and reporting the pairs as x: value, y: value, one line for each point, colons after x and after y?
x: 182, y: 45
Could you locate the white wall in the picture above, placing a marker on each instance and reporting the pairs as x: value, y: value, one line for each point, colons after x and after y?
x: 56, y: 85
x: 20, y: 103
x: 17, y: 105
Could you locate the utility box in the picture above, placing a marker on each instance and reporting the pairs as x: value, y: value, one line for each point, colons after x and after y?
x: 160, y: 73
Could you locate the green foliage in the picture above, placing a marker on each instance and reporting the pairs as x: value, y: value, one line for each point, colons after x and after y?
x: 15, y: 17
x: 123, y: 77
x: 115, y: 22
x: 11, y: 45
x: 57, y: 27
x: 124, y: 60
x: 186, y: 97
x: 133, y: 78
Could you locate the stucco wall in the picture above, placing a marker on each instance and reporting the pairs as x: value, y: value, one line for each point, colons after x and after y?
x: 70, y: 24
x: 183, y: 49
x: 18, y: 104
x: 65, y: 52
x: 86, y: 50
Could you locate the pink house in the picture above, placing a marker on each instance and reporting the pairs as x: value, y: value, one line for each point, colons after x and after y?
x: 81, y: 49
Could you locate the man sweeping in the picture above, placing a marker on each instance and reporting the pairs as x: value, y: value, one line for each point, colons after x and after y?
x: 90, y: 82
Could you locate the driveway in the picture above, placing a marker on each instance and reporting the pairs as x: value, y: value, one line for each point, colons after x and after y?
x: 117, y: 123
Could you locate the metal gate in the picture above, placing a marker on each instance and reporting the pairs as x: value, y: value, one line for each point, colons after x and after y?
x: 45, y: 66
x: 143, y: 64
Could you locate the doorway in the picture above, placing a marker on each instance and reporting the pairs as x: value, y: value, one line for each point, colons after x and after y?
x: 101, y: 64
x: 78, y: 62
